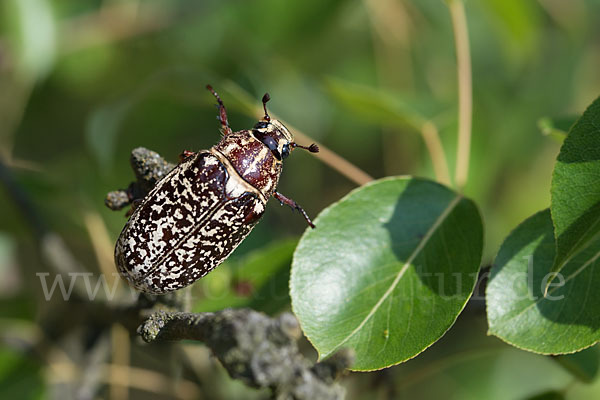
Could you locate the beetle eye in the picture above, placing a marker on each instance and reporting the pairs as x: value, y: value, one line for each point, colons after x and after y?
x: 261, y: 125
x: 285, y: 150
x: 272, y: 145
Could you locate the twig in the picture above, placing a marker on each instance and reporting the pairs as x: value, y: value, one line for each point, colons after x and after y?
x: 260, y: 351
x: 465, y: 92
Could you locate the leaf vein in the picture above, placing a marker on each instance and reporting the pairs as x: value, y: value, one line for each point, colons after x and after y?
x: 403, y: 270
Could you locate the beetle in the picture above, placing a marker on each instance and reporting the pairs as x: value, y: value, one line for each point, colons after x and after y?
x: 196, y: 215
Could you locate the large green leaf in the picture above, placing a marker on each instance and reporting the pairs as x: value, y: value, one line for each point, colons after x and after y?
x: 387, y: 270
x: 576, y: 188
x: 376, y: 105
x: 566, y: 319
x: 258, y: 280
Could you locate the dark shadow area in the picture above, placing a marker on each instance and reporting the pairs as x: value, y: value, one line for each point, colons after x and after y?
x: 573, y: 151
x: 567, y: 301
x: 583, y: 229
x: 582, y: 145
x: 448, y: 251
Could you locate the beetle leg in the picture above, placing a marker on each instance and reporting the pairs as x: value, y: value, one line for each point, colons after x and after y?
x: 284, y: 200
x: 134, y: 204
x: 225, y: 129
x: 185, y: 154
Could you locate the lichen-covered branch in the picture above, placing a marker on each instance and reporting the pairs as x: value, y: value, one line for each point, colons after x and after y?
x: 254, y: 348
x: 260, y: 351
x: 149, y: 167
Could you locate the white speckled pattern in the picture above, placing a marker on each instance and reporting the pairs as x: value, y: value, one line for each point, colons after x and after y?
x: 187, y: 225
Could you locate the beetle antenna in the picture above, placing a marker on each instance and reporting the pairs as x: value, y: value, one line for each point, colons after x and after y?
x: 313, y: 148
x: 265, y: 99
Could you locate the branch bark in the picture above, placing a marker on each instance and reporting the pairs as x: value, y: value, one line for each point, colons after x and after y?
x: 254, y: 348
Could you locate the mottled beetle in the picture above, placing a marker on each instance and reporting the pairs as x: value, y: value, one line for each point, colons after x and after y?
x: 201, y: 211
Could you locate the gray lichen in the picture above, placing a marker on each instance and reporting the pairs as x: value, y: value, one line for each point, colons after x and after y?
x: 254, y: 348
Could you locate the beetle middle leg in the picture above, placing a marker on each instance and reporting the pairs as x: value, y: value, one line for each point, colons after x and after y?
x: 285, y: 200
x: 134, y: 205
x: 225, y: 129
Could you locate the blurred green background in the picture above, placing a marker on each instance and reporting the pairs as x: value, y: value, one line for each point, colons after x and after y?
x: 83, y: 82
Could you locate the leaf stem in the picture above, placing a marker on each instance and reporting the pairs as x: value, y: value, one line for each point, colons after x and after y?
x: 465, y: 91
x: 389, y: 38
x: 433, y: 143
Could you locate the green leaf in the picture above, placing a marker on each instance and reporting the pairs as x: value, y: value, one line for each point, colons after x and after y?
x: 375, y: 105
x: 583, y: 365
x: 566, y: 319
x: 259, y: 281
x: 387, y: 270
x: 575, y: 188
x: 267, y: 271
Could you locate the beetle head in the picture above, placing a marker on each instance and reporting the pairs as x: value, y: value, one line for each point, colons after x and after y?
x: 275, y: 135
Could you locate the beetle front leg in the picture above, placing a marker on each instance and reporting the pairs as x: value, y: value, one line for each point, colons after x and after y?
x: 185, y: 154
x: 284, y: 200
x: 225, y: 129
